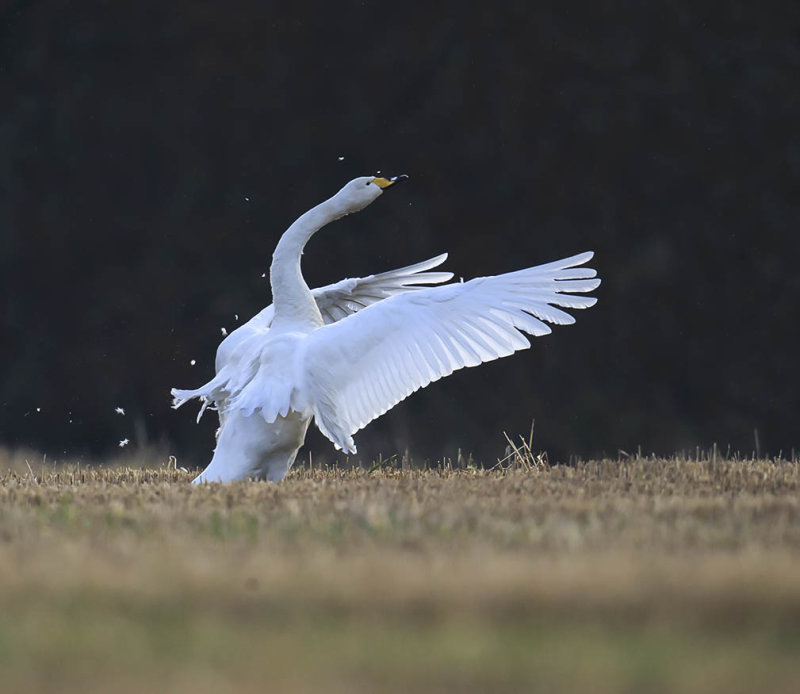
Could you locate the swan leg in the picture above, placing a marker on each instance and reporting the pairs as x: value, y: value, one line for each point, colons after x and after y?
x: 250, y: 448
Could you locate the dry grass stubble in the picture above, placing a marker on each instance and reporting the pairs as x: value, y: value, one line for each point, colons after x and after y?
x: 653, y: 570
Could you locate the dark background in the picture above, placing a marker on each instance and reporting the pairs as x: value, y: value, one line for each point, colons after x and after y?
x: 152, y: 153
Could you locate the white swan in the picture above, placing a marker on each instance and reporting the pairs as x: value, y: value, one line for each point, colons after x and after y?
x: 347, y: 353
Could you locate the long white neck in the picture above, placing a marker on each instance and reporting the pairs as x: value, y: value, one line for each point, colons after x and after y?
x: 294, y: 303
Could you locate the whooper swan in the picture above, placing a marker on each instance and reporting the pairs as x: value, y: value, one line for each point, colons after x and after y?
x: 345, y: 354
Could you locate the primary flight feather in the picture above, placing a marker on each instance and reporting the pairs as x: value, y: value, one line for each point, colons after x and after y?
x: 345, y: 354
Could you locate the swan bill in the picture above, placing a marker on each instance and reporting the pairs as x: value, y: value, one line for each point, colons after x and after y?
x: 386, y: 182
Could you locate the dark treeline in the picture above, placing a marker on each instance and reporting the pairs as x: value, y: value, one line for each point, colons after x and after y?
x: 152, y: 153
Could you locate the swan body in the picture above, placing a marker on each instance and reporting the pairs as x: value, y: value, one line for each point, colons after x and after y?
x: 345, y: 354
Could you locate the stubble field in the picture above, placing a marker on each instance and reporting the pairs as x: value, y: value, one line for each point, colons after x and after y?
x: 629, y: 575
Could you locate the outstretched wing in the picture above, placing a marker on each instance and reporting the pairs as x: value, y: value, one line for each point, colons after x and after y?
x: 337, y: 301
x: 357, y: 369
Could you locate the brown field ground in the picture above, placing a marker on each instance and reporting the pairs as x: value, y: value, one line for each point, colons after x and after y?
x: 630, y: 575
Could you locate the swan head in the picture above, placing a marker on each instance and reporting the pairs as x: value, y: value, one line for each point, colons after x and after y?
x: 361, y: 191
